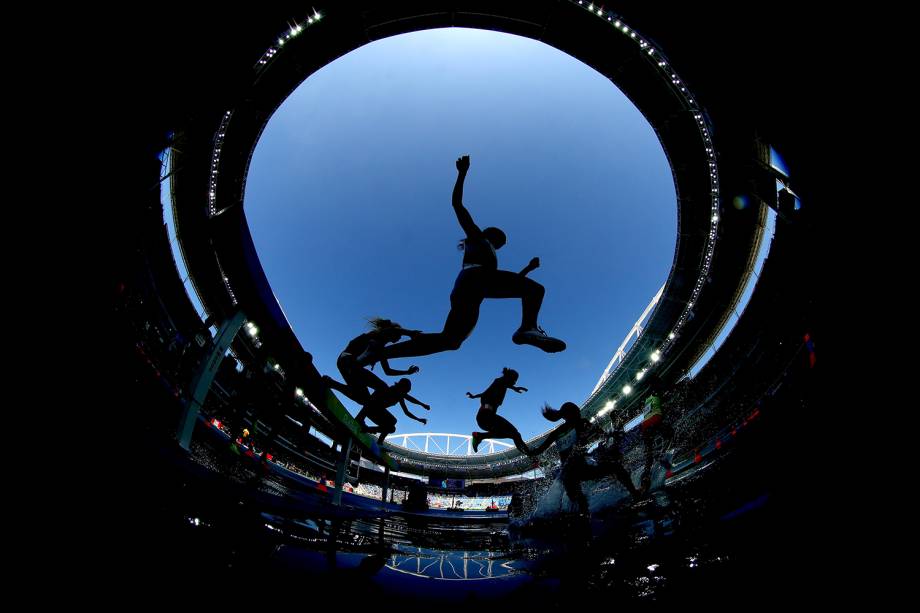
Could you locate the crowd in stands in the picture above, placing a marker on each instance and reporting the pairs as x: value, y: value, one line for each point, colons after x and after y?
x: 467, y: 503
x: 440, y: 501
x: 369, y: 490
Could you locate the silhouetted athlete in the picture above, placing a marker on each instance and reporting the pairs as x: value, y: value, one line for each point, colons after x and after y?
x: 487, y: 417
x: 357, y: 378
x: 572, y: 441
x: 376, y: 407
x: 655, y: 434
x: 479, y: 279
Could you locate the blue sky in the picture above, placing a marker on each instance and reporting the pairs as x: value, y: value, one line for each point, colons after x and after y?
x: 348, y: 201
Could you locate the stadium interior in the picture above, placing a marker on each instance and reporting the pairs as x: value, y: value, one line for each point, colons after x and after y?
x: 238, y: 459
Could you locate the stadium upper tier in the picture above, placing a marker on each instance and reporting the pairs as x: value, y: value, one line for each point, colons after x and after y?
x: 710, y: 111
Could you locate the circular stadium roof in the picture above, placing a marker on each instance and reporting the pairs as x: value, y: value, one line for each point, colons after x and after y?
x: 712, y: 157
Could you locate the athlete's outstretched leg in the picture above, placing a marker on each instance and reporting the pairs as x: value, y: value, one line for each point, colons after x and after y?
x: 350, y: 391
x: 366, y: 379
x: 649, y: 440
x: 505, y: 284
x: 623, y: 476
x: 464, y: 313
x: 496, y: 426
x: 387, y: 425
x: 383, y: 434
x: 572, y: 484
x: 423, y: 344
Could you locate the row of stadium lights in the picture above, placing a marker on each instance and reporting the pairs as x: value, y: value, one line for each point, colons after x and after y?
x: 225, y: 120
x: 234, y: 300
x: 253, y: 331
x: 295, y: 30
x: 669, y: 73
x: 662, y: 65
x: 222, y: 132
x: 627, y: 389
x: 215, y: 161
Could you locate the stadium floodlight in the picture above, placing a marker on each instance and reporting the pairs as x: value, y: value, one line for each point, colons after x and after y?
x: 639, y: 375
x: 627, y: 390
x: 609, y: 405
x: 298, y: 392
x: 656, y: 355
